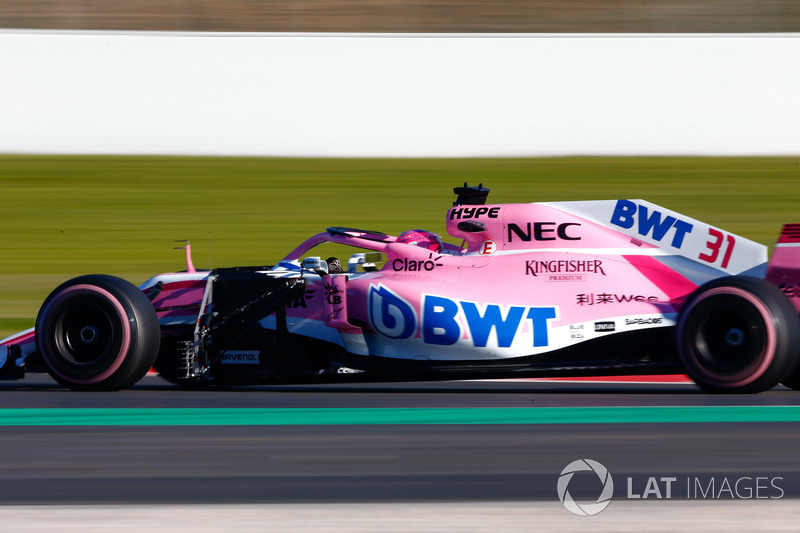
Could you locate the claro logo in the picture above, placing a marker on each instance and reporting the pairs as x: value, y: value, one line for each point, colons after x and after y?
x: 416, y: 265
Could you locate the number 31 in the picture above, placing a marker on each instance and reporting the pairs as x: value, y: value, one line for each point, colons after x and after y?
x: 715, y: 245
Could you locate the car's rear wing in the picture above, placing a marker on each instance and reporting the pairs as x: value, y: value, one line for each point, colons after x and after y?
x: 784, y: 265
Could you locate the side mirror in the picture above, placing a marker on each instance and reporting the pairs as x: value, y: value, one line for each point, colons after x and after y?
x: 316, y: 264
x: 367, y: 261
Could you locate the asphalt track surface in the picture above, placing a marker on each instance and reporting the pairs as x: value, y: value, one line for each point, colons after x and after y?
x: 186, y: 459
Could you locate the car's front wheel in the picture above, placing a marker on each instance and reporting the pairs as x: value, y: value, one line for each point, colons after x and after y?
x: 97, y: 332
x: 738, y: 334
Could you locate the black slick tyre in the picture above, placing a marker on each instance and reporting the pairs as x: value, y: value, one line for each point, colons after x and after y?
x: 97, y: 332
x: 738, y: 334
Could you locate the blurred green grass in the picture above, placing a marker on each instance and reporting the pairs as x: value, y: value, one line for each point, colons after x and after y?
x: 62, y: 216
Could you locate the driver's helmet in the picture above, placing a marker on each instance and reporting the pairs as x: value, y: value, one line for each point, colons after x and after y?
x: 423, y: 239
x: 334, y: 265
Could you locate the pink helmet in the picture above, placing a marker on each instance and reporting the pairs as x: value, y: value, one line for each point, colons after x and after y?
x: 421, y: 238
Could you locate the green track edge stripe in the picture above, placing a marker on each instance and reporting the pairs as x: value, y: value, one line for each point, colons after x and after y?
x: 393, y: 416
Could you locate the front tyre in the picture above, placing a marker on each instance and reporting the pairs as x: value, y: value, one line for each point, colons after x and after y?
x: 97, y: 332
x: 738, y: 335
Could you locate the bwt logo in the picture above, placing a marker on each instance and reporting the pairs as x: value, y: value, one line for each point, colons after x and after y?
x: 654, y: 224
x: 390, y: 314
x: 393, y: 316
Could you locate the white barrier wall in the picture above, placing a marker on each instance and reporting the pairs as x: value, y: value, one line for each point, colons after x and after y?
x: 398, y: 95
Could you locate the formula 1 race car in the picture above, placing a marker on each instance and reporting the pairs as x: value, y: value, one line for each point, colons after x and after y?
x: 539, y: 289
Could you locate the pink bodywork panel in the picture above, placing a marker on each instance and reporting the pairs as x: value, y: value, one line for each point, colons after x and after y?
x: 784, y: 265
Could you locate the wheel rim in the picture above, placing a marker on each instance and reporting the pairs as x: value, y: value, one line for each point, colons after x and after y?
x: 730, y: 341
x: 87, y: 333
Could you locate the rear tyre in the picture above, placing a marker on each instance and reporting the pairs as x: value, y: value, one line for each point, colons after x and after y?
x: 738, y: 335
x: 97, y: 333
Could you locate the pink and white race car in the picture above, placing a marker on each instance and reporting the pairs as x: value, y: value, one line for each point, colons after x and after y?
x: 538, y: 289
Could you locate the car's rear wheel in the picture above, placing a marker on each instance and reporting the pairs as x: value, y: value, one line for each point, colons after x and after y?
x: 97, y: 333
x: 738, y: 334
